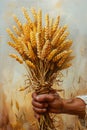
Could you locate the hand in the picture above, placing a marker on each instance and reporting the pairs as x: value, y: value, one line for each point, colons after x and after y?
x: 47, y: 103
x: 55, y: 104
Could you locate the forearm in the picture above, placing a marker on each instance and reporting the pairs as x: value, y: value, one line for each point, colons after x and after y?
x: 74, y: 106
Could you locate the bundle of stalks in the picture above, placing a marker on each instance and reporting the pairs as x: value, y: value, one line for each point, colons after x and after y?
x: 45, y: 51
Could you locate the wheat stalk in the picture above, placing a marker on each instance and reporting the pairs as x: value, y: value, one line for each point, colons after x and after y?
x: 19, y: 24
x: 45, y: 51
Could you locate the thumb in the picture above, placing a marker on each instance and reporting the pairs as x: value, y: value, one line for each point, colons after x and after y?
x: 45, y: 98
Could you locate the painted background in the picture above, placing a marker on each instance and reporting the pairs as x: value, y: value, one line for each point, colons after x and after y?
x: 73, y: 13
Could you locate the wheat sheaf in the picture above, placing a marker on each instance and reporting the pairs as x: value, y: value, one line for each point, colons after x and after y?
x: 44, y: 49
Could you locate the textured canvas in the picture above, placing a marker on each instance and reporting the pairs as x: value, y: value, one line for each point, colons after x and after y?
x: 12, y: 75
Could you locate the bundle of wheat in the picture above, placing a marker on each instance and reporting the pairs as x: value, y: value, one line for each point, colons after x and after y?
x: 45, y: 51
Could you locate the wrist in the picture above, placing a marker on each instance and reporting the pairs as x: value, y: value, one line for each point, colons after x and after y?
x: 73, y: 106
x: 66, y: 103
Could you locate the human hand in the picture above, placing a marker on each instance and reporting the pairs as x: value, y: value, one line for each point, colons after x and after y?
x: 55, y: 104
x: 51, y: 103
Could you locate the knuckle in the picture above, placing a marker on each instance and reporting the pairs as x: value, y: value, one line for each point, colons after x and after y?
x: 41, y: 105
x: 35, y: 109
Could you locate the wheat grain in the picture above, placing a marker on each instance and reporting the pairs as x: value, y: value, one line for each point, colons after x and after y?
x: 46, y: 49
x: 60, y: 63
x: 68, y: 44
x: 30, y: 64
x: 63, y: 37
x: 38, y: 45
x: 39, y: 21
x: 66, y: 66
x: 58, y: 35
x: 34, y: 14
x: 19, y: 24
x: 70, y: 58
x: 65, y: 45
x: 51, y: 55
x: 34, y: 28
x: 56, y: 24
x: 26, y: 31
x: 16, y: 30
x: 17, y: 58
x: 12, y: 45
x: 12, y: 35
x: 50, y: 28
x: 27, y: 16
x: 58, y: 56
x: 31, y: 52
x: 33, y: 39
x: 42, y: 37
x: 47, y: 27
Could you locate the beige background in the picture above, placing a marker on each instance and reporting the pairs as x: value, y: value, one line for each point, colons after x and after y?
x: 74, y: 14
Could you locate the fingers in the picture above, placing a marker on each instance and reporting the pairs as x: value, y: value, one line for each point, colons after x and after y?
x: 39, y: 111
x: 45, y: 98
x: 39, y: 105
x: 34, y: 95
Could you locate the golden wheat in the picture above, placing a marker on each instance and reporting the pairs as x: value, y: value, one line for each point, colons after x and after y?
x: 30, y: 64
x: 58, y: 56
x: 26, y: 31
x: 34, y: 14
x: 16, y: 30
x: 50, y: 28
x: 59, y: 33
x: 12, y: 35
x: 27, y: 16
x: 63, y: 37
x: 60, y: 63
x: 65, y: 45
x: 33, y: 39
x: 38, y: 45
x: 45, y: 50
x: 66, y: 66
x: 19, y: 24
x: 17, y: 58
x: 39, y: 21
x: 52, y: 54
x: 31, y: 52
x: 47, y: 27
x: 13, y: 45
x: 56, y: 23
